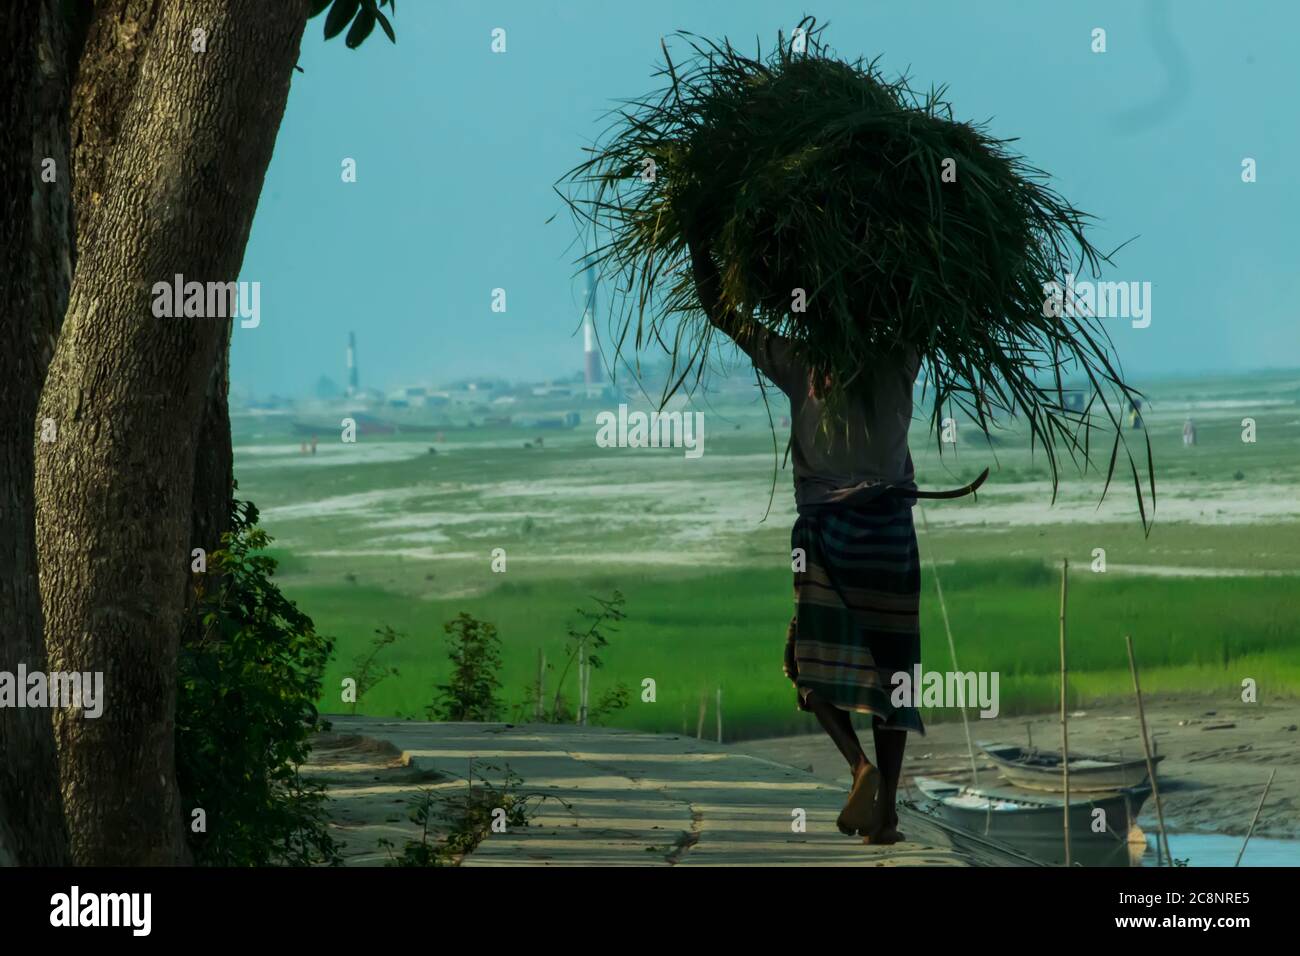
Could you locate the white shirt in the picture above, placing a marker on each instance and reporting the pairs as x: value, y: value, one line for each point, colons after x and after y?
x: 853, y: 460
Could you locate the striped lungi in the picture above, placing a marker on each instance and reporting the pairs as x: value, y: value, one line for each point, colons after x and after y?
x: 856, y: 619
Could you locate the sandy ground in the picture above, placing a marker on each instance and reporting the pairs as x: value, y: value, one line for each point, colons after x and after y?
x: 1217, y: 757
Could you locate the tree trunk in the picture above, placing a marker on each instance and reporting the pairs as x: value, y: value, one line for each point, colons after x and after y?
x: 214, y: 479
x: 35, y: 272
x: 106, y: 81
x: 214, y: 483
x: 128, y: 391
x: 106, y: 76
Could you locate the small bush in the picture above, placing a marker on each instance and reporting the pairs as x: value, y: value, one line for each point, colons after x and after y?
x: 581, y: 647
x: 466, y: 818
x: 245, y: 712
x: 370, y: 672
x: 475, y: 652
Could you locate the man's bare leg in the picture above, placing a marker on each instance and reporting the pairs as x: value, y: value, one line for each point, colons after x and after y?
x: 839, y: 727
x: 861, y: 811
x: 890, y: 745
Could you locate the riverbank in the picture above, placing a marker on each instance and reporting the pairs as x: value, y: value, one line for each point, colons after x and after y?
x: 1217, y: 757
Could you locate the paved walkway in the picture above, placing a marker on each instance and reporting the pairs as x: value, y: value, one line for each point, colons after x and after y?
x: 629, y: 799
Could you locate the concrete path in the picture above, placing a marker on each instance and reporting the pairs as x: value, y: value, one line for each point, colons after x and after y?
x: 625, y: 799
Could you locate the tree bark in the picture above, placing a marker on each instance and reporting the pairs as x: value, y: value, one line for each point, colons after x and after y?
x: 214, y: 479
x: 36, y: 251
x: 105, y: 84
x: 214, y: 485
x: 128, y: 390
x: 107, y: 73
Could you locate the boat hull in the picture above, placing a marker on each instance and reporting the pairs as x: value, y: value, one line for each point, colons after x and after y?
x: 1044, y: 773
x: 1033, y: 823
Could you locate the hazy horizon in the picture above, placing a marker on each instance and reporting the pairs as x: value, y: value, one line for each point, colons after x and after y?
x: 457, y: 150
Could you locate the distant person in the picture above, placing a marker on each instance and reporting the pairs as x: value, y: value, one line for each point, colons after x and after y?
x: 304, y: 448
x: 1135, y: 413
x: 1189, y: 433
x: 856, y: 622
x: 313, y: 444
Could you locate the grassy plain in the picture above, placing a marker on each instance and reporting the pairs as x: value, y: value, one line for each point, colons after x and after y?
x: 384, y: 532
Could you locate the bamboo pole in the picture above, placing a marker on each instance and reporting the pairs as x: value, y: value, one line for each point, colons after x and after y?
x: 719, y: 715
x: 584, y: 677
x: 1162, y: 837
x: 952, y: 650
x: 699, y: 724
x: 539, y: 710
x: 1255, y: 819
x: 1065, y: 724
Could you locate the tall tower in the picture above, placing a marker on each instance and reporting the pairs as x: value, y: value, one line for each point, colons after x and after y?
x: 591, y: 358
x: 352, y: 364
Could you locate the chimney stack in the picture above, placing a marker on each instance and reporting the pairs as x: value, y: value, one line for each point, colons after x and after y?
x: 591, y: 357
x: 352, y: 364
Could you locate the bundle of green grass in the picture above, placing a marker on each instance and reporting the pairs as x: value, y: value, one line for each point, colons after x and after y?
x: 858, y: 219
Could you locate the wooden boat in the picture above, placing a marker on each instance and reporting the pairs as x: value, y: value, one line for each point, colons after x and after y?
x: 1033, y: 822
x: 1041, y: 769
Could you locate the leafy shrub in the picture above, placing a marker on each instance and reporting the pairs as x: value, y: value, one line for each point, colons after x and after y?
x: 245, y: 712
x: 584, y: 640
x: 466, y: 818
x: 370, y: 673
x: 475, y: 652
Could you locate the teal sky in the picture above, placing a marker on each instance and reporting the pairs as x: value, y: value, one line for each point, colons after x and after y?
x: 457, y: 149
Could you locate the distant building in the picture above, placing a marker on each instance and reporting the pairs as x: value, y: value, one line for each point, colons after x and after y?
x: 551, y: 391
x: 409, y: 396
x: 327, y: 388
x: 555, y: 420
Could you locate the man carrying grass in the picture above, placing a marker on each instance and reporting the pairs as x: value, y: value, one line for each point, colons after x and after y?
x: 857, y: 589
x: 909, y: 239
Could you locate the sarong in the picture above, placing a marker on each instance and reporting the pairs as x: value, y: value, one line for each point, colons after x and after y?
x: 857, y: 600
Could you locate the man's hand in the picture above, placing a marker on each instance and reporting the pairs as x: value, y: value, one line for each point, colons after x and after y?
x: 708, y: 286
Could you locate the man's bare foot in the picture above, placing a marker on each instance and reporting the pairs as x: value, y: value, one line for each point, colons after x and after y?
x: 887, y: 833
x: 861, y: 813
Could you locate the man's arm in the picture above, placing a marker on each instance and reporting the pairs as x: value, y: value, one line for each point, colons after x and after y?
x: 769, y: 352
x: 708, y: 285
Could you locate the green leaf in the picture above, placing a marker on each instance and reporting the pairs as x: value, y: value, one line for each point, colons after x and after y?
x: 318, y: 7
x: 388, y: 27
x: 340, y: 15
x: 362, y: 27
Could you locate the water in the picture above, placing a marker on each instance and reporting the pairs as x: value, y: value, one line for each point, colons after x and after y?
x: 1194, y: 849
x: 1215, y: 849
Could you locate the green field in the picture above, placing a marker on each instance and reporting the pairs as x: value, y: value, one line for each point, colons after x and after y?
x: 385, y: 533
